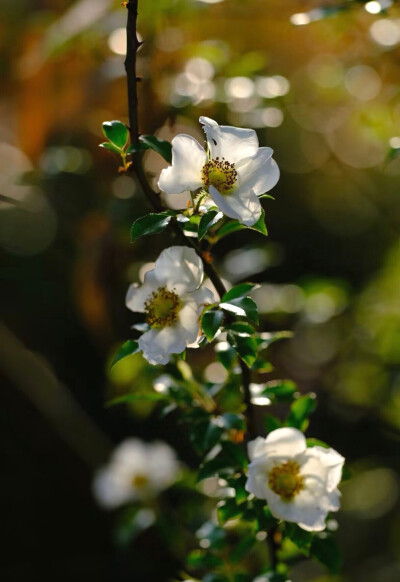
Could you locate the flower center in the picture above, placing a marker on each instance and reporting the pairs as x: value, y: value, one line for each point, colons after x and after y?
x: 220, y: 174
x: 162, y: 308
x: 140, y: 481
x: 285, y: 480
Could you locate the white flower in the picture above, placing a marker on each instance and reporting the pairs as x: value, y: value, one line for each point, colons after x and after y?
x: 234, y: 172
x: 299, y: 483
x: 136, y: 471
x: 172, y: 301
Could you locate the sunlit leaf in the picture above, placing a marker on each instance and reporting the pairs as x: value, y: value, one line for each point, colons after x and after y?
x: 210, y: 322
x: 300, y: 410
x: 117, y: 133
x: 207, y: 221
x: 127, y: 349
x: 242, y: 307
x: 238, y: 291
x: 135, y: 397
x: 161, y: 146
x: 107, y: 145
x: 150, y: 224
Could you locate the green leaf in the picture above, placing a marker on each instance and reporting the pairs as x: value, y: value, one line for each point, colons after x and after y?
x: 263, y: 366
x: 236, y: 453
x: 280, y: 390
x: 241, y: 328
x: 271, y: 423
x: 246, y: 347
x: 259, y: 226
x: 107, y: 145
x: 242, y: 548
x: 325, y: 549
x: 207, y: 221
x: 232, y: 420
x: 242, y: 307
x: 228, y: 509
x: 203, y: 559
x: 150, y: 224
x: 134, y: 397
x: 127, y: 349
x: 117, y: 133
x: 300, y: 410
x: 225, y: 355
x: 316, y: 443
x: 238, y: 291
x: 214, y: 534
x: 161, y: 146
x: 210, y: 323
x: 229, y: 228
x: 301, y: 538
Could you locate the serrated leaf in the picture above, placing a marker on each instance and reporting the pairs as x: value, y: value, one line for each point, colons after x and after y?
x: 326, y: 550
x: 300, y: 410
x: 107, y: 145
x: 150, y: 224
x: 210, y: 323
x: 161, y: 146
x: 127, y: 349
x: 207, y: 221
x: 117, y: 133
x: 242, y: 307
x: 238, y: 291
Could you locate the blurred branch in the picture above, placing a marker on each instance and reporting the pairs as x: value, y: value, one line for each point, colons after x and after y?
x: 53, y: 400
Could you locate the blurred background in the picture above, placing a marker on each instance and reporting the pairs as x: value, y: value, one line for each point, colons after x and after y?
x: 320, y: 83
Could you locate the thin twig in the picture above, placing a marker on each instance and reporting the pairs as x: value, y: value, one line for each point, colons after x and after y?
x: 133, y: 45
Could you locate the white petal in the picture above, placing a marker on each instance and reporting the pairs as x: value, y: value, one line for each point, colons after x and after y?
x: 243, y: 206
x: 285, y: 442
x: 188, y: 159
x: 257, y: 448
x: 110, y: 490
x: 158, y: 344
x: 189, y: 321
x: 327, y: 463
x: 305, y: 509
x: 259, y: 173
x: 137, y: 296
x: 231, y: 143
x: 162, y: 464
x: 179, y: 268
x: 203, y: 296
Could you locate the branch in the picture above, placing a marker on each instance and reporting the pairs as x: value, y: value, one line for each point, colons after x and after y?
x: 133, y: 44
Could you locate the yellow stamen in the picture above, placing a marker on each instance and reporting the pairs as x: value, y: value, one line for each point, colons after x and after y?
x: 162, y: 308
x: 220, y: 174
x: 285, y: 480
x: 140, y: 481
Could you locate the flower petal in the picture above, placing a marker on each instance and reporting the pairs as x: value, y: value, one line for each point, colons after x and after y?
x: 257, y: 448
x: 136, y: 295
x: 158, y: 344
x: 110, y: 488
x: 327, y: 463
x: 180, y: 268
x: 259, y: 173
x: 231, y: 143
x: 285, y: 442
x: 243, y: 206
x: 188, y: 159
x: 306, y: 510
